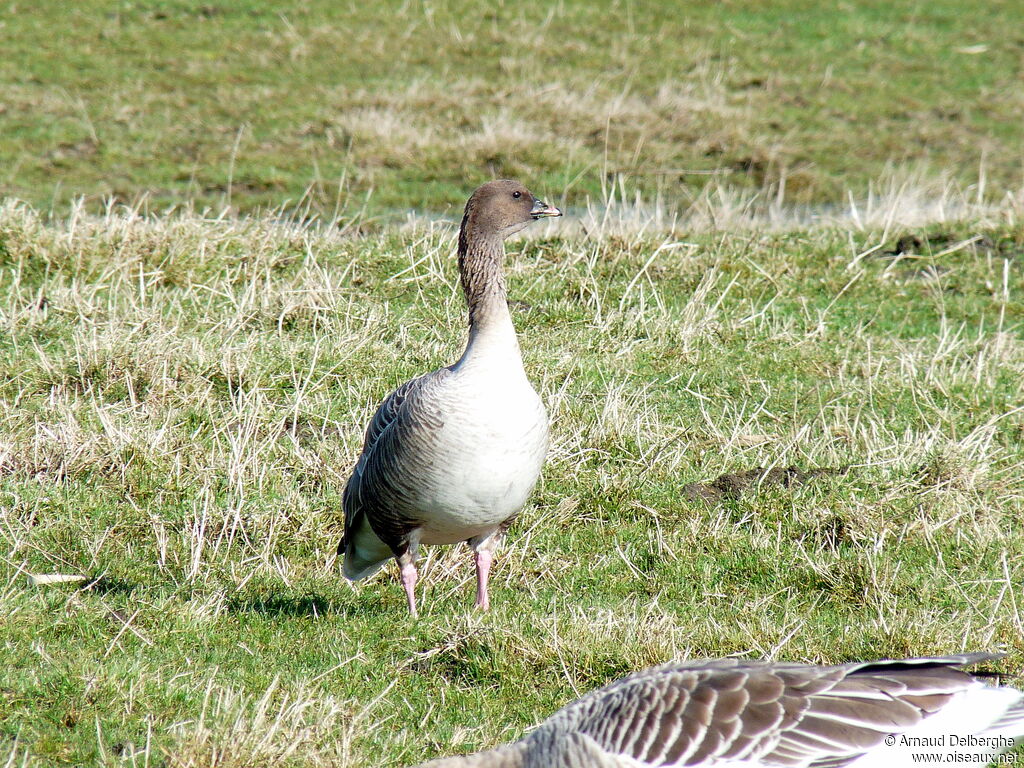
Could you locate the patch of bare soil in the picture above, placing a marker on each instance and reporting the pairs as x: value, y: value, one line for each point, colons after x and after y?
x: 732, y: 485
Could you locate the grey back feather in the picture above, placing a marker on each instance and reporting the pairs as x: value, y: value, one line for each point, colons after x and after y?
x: 398, y: 419
x: 700, y: 712
x: 784, y: 714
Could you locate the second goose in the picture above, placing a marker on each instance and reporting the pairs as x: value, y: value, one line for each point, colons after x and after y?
x: 452, y: 455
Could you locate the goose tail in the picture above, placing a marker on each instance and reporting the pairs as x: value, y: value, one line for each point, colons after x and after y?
x: 977, y: 725
x: 364, y: 554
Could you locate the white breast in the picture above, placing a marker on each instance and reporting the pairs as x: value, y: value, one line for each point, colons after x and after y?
x: 489, y: 454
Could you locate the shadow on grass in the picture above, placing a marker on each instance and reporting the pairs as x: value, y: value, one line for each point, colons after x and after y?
x: 107, y: 586
x: 284, y: 605
x: 313, y: 605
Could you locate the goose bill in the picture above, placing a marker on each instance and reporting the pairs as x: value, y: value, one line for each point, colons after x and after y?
x: 542, y: 210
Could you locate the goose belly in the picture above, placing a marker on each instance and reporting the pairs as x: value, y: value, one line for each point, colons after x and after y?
x: 482, y: 470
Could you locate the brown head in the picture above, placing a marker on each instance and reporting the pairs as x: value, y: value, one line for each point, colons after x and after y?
x: 498, y: 209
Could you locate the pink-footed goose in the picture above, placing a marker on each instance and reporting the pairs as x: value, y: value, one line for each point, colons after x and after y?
x: 739, y: 714
x: 453, y: 455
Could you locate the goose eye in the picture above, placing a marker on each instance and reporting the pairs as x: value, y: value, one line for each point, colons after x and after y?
x: 517, y: 194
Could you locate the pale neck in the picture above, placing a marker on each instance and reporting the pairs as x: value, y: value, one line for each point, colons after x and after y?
x: 490, y: 324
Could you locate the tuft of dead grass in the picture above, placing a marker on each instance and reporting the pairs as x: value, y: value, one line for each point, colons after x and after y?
x: 234, y: 730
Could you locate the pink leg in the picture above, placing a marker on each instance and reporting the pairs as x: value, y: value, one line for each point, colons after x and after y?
x: 483, y: 569
x: 409, y: 583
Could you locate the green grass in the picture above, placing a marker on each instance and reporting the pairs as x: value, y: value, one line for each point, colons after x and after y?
x: 183, y: 398
x: 326, y: 106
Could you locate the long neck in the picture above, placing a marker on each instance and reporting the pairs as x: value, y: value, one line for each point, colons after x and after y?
x: 480, y: 270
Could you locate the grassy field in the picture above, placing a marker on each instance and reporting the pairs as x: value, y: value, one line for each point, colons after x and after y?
x: 796, y: 244
x: 183, y: 399
x: 323, y: 105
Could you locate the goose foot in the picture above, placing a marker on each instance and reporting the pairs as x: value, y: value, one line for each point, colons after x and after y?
x: 409, y: 584
x: 483, y: 568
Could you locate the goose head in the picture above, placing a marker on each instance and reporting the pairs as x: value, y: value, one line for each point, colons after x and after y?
x: 502, y: 208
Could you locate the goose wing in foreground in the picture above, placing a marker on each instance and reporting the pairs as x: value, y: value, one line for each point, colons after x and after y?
x: 736, y: 713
